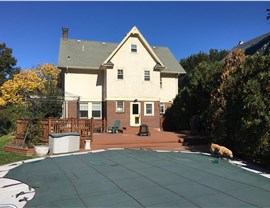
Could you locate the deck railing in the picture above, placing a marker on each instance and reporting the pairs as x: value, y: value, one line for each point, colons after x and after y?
x: 84, y: 126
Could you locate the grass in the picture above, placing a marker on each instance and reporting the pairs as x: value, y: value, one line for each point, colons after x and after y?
x: 8, y: 157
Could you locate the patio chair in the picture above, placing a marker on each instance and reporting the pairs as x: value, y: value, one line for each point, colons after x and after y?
x: 113, y: 129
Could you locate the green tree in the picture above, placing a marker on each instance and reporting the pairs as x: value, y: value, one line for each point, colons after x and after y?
x: 7, y: 64
x: 193, y: 99
x: 190, y: 63
x: 240, y: 105
x: 194, y: 60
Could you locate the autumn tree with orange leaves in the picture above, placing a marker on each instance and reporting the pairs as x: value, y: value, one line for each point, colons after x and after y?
x: 32, y: 93
x: 34, y: 82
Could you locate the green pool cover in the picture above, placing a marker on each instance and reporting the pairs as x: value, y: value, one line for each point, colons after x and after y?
x: 141, y: 178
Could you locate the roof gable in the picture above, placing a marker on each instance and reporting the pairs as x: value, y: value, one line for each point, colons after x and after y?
x: 134, y: 32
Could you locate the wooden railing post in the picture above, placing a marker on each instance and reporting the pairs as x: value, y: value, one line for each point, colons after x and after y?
x: 72, y: 124
x: 49, y: 125
x: 92, y: 129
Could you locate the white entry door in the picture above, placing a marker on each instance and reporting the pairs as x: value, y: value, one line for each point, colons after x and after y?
x: 135, y: 114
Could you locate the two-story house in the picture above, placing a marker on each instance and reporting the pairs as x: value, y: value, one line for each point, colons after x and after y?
x: 129, y: 81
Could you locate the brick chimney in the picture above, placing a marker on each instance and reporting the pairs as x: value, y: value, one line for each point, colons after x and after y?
x: 65, y: 33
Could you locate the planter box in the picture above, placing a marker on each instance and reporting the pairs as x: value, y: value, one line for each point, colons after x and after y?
x: 64, y: 142
x: 19, y: 150
x: 41, y: 150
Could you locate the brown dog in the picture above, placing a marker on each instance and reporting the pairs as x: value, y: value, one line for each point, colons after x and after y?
x: 220, y: 151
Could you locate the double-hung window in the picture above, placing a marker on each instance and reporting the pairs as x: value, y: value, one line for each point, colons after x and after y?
x: 146, y: 75
x: 90, y: 110
x: 149, y: 109
x: 120, y: 74
x: 133, y: 48
x: 83, y: 110
x: 119, y: 106
x: 96, y: 110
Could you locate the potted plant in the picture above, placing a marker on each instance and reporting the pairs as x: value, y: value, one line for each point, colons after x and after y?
x: 33, y: 136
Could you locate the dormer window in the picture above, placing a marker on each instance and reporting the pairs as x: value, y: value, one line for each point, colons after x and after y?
x: 134, y: 48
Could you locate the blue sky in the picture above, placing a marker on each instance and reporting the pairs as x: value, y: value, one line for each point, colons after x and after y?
x: 33, y: 29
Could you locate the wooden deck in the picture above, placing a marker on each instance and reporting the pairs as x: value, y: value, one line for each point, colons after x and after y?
x: 84, y: 126
x: 159, y: 140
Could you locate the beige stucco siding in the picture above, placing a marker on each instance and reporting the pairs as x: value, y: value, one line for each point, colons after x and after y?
x: 134, y: 64
x: 88, y: 84
x: 169, y: 87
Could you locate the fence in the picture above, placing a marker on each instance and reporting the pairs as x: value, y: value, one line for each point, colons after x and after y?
x: 84, y: 126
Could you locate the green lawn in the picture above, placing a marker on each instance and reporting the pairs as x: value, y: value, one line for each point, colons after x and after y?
x: 6, y: 157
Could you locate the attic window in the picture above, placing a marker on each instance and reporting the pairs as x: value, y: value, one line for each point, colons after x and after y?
x: 134, y: 48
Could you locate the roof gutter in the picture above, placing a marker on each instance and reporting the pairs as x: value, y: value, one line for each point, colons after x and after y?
x: 78, y: 67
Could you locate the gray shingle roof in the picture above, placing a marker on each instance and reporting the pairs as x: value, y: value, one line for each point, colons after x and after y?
x: 168, y: 59
x: 91, y: 54
x: 260, y: 43
x: 82, y: 53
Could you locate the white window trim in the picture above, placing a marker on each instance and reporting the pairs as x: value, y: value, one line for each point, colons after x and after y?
x: 164, y: 110
x: 153, y: 109
x: 116, y: 110
x: 91, y: 109
x: 86, y: 103
x: 147, y: 75
x: 135, y: 47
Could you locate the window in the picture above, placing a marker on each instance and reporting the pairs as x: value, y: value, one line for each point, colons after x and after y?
x: 146, y: 75
x: 119, y: 106
x: 162, y: 108
x: 149, y: 109
x: 133, y: 48
x: 120, y: 74
x: 86, y: 112
x: 96, y: 110
x: 160, y: 81
x: 83, y: 110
